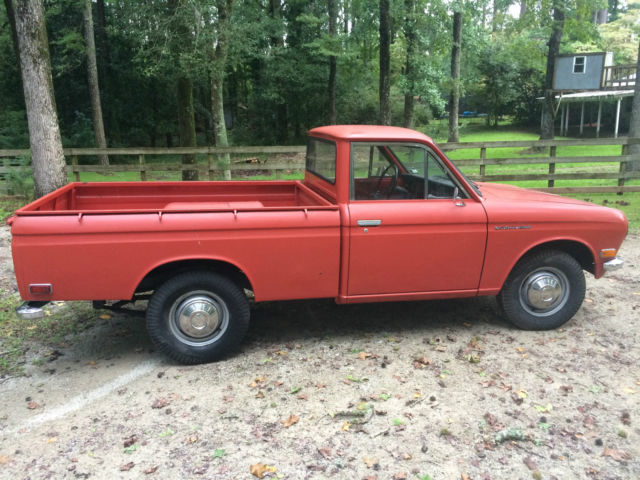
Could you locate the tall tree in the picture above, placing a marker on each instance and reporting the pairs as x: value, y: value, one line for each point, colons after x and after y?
x: 333, y: 63
x: 184, y: 87
x: 454, y: 98
x: 47, y: 158
x: 217, y: 73
x: 634, y: 127
x: 385, y: 63
x: 548, y: 106
x: 410, y: 38
x: 94, y: 87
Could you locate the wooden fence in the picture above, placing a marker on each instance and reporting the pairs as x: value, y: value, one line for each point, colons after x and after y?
x: 249, y: 160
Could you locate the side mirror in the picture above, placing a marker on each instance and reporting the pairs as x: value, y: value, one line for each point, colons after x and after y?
x: 457, y: 201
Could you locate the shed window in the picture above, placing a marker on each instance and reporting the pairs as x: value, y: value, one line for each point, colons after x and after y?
x: 579, y: 64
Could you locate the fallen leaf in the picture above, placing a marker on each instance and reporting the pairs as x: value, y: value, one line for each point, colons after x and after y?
x: 421, y: 362
x: 130, y: 440
x: 259, y: 470
x: 160, y: 403
x: 192, y: 439
x: 441, y: 348
x: 4, y: 460
x: 260, y: 394
x: 325, y: 452
x: 292, y: 420
x: 151, y: 470
x: 370, y: 462
x: 105, y: 316
x: 464, y: 476
x: 629, y: 390
x: 467, y: 324
x: 278, y: 383
x: 364, y: 355
x: 617, y: 455
x: 127, y: 466
x: 531, y: 465
x: 345, y: 426
x: 400, y: 476
x: 52, y: 440
x: 32, y: 405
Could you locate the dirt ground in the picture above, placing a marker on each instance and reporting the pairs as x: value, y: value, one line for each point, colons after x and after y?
x: 425, y: 390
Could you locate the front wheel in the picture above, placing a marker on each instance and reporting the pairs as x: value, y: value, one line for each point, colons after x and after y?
x: 543, y: 291
x: 197, y: 317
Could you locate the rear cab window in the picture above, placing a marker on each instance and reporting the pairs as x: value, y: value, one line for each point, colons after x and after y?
x: 321, y: 158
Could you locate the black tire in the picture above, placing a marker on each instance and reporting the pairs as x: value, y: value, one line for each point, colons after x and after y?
x: 197, y: 317
x: 543, y: 291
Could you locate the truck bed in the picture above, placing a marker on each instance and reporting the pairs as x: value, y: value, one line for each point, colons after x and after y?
x: 142, y: 197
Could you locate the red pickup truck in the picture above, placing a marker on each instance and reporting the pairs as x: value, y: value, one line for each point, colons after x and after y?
x: 382, y: 215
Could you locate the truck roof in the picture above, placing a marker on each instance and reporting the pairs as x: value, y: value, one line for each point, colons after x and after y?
x: 369, y: 132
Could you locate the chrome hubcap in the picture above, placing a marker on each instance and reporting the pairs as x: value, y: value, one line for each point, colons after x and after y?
x: 544, y: 292
x: 198, y: 318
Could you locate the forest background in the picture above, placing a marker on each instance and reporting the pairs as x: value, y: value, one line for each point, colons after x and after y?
x: 170, y: 70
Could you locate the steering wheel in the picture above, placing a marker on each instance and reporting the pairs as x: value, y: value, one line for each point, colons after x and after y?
x: 392, y: 184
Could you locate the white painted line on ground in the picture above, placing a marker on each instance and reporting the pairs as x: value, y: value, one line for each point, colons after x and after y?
x: 79, y: 401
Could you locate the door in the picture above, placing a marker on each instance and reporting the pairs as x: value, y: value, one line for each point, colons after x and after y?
x: 407, y: 233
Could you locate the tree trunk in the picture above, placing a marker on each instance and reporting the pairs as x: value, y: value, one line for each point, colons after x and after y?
x: 332, y: 64
x: 345, y: 6
x: 186, y: 124
x: 634, y: 127
x: 385, y: 63
x: 282, y: 113
x: 94, y: 88
x: 454, y: 98
x: 103, y: 54
x: 548, y: 108
x: 217, y: 84
x: 47, y: 159
x: 523, y: 9
x: 410, y: 36
x: 12, y: 24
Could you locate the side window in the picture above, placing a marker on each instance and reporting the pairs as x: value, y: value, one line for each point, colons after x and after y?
x: 395, y: 171
x: 579, y: 64
x: 321, y: 158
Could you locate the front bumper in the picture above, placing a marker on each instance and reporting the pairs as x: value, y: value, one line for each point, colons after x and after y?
x: 612, y: 265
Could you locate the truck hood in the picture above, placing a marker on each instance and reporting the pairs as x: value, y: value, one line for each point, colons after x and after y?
x: 499, y: 192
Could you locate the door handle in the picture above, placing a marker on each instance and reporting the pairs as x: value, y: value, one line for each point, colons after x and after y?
x: 369, y: 223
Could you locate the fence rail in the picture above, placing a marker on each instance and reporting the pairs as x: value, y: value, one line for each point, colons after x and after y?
x: 213, y: 169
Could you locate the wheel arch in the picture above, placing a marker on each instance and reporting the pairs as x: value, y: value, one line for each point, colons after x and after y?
x: 162, y: 272
x: 575, y: 248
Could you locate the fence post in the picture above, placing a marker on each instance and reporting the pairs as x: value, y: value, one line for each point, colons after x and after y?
x: 211, y: 169
x: 483, y: 156
x: 552, y: 166
x: 143, y: 168
x: 623, y: 167
x: 76, y: 172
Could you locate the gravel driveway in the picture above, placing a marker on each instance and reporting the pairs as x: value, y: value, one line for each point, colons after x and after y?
x: 428, y: 390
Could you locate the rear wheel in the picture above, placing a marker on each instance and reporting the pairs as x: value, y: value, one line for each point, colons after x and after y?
x: 543, y: 291
x: 197, y: 317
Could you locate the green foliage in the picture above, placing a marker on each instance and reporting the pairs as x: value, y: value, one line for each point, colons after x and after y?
x: 276, y: 77
x: 19, y: 180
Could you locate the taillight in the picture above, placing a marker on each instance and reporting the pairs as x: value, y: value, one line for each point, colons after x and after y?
x: 40, y: 289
